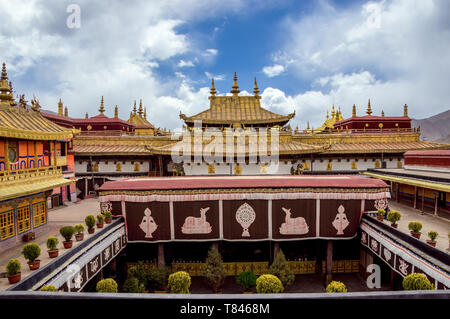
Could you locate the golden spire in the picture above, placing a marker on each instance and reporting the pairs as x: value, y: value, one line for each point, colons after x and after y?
x: 382, y: 113
x: 66, y: 112
x: 405, y: 111
x: 87, y: 116
x: 5, y: 89
x: 145, y: 113
x: 369, y: 109
x: 60, y: 108
x: 256, y: 90
x: 339, y: 114
x: 102, y: 107
x: 4, y: 74
x: 116, y: 112
x: 141, y: 111
x: 213, y: 89
x: 333, y: 113
x: 327, y: 115
x: 134, y: 108
x: 235, y: 87
x: 354, y: 111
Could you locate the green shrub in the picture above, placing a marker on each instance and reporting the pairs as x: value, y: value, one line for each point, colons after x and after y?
x: 140, y: 271
x: 100, y: 219
x: 415, y: 227
x: 31, y: 252
x: 247, y: 280
x: 132, y: 285
x: 214, y: 270
x: 52, y: 242
x: 67, y: 232
x: 90, y: 221
x: 269, y: 284
x: 336, y: 286
x: 79, y: 228
x: 179, y: 282
x: 107, y: 214
x: 157, y: 278
x: 393, y: 216
x: 417, y: 281
x: 381, y: 212
x: 107, y: 285
x: 432, y: 235
x: 13, y: 267
x: 281, y: 269
x: 49, y: 288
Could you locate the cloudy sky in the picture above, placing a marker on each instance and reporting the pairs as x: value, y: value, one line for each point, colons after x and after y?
x: 305, y: 55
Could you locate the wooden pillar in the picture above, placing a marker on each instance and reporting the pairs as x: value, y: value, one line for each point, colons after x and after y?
x: 216, y: 245
x: 397, y: 196
x: 161, y: 260
x: 86, y: 192
x: 54, y: 153
x: 329, y: 277
x: 415, y: 197
x: 423, y: 198
x: 276, y: 249
x: 6, y: 155
x: 160, y: 162
x: 35, y: 155
x: 392, y: 279
x: 436, y: 201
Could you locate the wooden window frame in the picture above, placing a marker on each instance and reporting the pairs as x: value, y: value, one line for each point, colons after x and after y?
x: 7, y: 225
x: 39, y: 214
x: 22, y: 222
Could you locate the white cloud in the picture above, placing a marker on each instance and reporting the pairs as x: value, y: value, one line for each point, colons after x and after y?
x: 216, y: 77
x: 273, y: 70
x: 183, y: 64
x: 211, y: 52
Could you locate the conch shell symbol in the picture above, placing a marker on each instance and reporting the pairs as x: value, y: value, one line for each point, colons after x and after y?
x: 148, y: 224
x: 340, y: 221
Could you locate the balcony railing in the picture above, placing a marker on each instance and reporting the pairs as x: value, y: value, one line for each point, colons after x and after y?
x: 29, y: 174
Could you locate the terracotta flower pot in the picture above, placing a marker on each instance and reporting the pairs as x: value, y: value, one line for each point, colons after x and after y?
x: 247, y: 292
x: 79, y: 237
x: 15, y: 278
x: 34, y: 264
x: 160, y: 292
x: 432, y: 243
x: 380, y: 218
x: 100, y: 225
x: 394, y: 225
x: 416, y: 235
x: 91, y: 230
x: 67, y: 244
x: 108, y: 220
x: 53, y: 253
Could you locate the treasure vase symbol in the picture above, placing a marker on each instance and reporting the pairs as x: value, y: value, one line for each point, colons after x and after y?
x: 340, y: 221
x: 197, y: 225
x: 148, y: 225
x: 293, y: 226
x: 245, y: 216
x: 381, y: 203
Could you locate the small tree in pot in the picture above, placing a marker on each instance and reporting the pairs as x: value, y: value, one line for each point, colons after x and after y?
x: 100, y: 220
x: 393, y: 216
x: 79, y: 232
x: 415, y: 228
x: 31, y: 252
x: 108, y: 217
x: 432, y: 235
x: 49, y: 288
x: 107, y: 285
x: 157, y: 279
x: 214, y: 270
x: 269, y: 284
x: 247, y: 280
x: 380, y: 214
x: 90, y: 223
x: 52, y: 242
x: 417, y: 281
x: 13, y: 271
x: 67, y: 232
x: 281, y: 269
x: 179, y: 282
x: 336, y: 286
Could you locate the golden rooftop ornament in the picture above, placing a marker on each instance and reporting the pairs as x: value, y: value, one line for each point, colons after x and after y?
x: 102, y: 107
x: 235, y: 88
x: 369, y: 109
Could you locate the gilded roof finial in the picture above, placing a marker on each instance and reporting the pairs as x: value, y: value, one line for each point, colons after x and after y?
x: 60, y: 108
x: 22, y: 101
x: 235, y: 87
x: 382, y: 113
x: 405, y: 111
x: 256, y: 90
x: 116, y: 112
x: 102, y: 107
x: 354, y: 111
x: 134, y: 108
x: 145, y: 112
x: 141, y: 111
x: 333, y: 113
x: 87, y: 116
x: 213, y: 89
x: 35, y: 106
x: 66, y: 112
x: 369, y: 109
x: 327, y: 115
x: 4, y: 74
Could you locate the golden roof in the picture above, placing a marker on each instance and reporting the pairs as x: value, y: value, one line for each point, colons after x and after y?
x: 228, y: 110
x: 139, y: 118
x: 329, y: 122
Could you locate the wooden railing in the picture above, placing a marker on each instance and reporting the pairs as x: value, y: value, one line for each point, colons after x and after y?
x: 29, y: 174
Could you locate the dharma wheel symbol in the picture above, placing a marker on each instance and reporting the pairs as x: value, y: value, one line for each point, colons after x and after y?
x: 245, y: 216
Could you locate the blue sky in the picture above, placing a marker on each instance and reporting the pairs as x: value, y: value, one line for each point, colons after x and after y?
x: 306, y: 55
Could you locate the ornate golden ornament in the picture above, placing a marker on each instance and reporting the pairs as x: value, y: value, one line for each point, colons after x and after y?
x: 238, y: 170
x: 211, y: 169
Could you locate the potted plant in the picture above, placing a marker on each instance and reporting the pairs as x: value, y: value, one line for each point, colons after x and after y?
x: 100, y: 220
x: 415, y: 228
x: 157, y: 279
x: 107, y: 285
x: 432, y: 235
x: 31, y: 252
x: 281, y: 269
x: 13, y: 271
x: 108, y: 217
x: 132, y: 285
x: 67, y: 232
x: 394, y: 216
x: 179, y: 282
x: 49, y: 288
x: 52, y: 242
x: 79, y: 232
x: 90, y: 223
x: 380, y: 214
x: 214, y: 270
x: 268, y: 284
x: 417, y: 281
x: 336, y: 286
x: 247, y: 280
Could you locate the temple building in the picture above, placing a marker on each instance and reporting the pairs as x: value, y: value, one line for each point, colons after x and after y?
x: 33, y: 162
